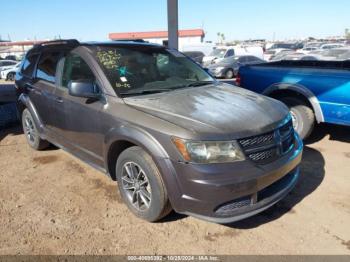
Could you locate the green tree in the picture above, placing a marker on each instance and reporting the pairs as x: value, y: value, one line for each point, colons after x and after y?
x: 221, y: 37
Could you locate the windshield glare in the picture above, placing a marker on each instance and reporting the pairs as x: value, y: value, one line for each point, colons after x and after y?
x: 133, y: 68
x: 218, y: 52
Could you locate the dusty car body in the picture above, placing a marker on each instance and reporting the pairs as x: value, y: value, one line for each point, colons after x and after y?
x: 200, y: 147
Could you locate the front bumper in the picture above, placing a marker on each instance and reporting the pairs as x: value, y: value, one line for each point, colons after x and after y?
x: 224, y: 193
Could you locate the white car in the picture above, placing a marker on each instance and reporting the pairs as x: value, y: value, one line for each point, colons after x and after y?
x: 221, y: 52
x: 313, y: 44
x: 270, y: 54
x: 10, y: 73
x: 330, y: 46
x: 218, y: 54
x: 6, y: 64
x: 307, y: 50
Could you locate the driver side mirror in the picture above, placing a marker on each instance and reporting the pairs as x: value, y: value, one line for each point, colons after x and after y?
x: 85, y: 89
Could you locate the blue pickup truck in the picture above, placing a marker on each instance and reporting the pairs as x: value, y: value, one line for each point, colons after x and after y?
x: 314, y: 91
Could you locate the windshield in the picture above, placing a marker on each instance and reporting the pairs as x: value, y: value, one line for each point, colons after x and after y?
x: 136, y: 69
x: 218, y: 52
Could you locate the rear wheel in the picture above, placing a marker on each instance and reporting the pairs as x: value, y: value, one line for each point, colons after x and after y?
x: 141, y: 185
x: 302, y: 115
x: 31, y: 132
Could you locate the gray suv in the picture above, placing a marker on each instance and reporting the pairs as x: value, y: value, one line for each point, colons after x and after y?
x: 155, y: 121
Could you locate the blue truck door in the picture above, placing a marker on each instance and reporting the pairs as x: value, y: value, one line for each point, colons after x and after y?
x: 333, y: 94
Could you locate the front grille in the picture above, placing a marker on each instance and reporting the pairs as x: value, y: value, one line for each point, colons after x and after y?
x: 226, y: 209
x: 257, y: 140
x: 265, y: 148
x: 263, y: 155
x: 229, y: 208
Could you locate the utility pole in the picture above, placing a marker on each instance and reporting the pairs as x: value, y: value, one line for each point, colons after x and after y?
x: 173, y: 24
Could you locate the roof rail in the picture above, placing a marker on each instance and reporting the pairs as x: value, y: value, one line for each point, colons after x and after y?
x: 69, y: 42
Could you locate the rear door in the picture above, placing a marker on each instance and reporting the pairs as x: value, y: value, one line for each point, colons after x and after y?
x: 42, y: 85
x: 78, y: 119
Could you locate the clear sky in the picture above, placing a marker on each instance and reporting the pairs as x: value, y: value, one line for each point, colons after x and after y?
x: 237, y: 19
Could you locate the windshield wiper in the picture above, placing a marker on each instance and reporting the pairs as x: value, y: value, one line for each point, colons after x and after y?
x: 160, y: 90
x: 146, y: 91
x: 194, y: 84
x: 199, y: 83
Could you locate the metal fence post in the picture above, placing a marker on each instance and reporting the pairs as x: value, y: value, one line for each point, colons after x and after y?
x: 173, y: 41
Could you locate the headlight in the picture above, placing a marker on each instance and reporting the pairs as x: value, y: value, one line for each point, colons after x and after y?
x: 209, y: 151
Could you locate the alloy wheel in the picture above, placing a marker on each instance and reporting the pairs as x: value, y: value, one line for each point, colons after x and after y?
x: 136, y: 186
x: 29, y: 129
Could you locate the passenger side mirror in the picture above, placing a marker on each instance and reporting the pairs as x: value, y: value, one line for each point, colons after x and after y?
x: 86, y: 89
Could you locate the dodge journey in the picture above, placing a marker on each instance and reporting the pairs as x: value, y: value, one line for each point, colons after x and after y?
x: 173, y: 137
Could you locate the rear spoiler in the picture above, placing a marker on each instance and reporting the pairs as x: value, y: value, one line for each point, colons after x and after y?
x: 68, y: 42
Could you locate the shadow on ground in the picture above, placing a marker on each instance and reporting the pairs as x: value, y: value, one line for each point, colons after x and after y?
x: 311, y: 176
x: 13, y: 129
x: 16, y: 129
x: 335, y: 132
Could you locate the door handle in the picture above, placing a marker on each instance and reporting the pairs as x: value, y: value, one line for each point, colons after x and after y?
x: 33, y: 89
x: 59, y: 100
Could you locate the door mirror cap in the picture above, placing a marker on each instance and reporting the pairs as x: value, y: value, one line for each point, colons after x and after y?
x: 85, y: 89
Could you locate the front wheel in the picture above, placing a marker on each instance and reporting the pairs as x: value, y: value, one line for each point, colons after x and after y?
x: 229, y: 74
x: 302, y: 115
x: 10, y: 76
x: 141, y: 185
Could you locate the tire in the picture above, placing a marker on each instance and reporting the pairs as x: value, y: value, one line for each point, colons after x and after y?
x: 229, y: 74
x: 133, y: 160
x: 303, y: 116
x: 10, y: 76
x: 31, y: 132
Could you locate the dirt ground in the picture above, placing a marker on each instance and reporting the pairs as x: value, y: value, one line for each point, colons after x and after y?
x: 3, y: 81
x: 52, y: 203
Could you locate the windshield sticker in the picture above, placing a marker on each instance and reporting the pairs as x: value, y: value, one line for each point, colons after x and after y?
x: 122, y: 85
x: 109, y: 59
x: 175, y: 53
x: 123, y: 71
x: 123, y: 79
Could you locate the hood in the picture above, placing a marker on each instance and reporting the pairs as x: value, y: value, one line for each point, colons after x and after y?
x: 214, y: 109
x: 208, y: 58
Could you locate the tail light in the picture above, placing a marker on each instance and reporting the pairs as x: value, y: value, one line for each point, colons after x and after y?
x: 238, y: 79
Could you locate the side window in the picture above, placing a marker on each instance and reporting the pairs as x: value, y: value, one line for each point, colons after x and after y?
x: 230, y: 52
x: 162, y: 61
x: 75, y: 69
x: 46, y: 69
x: 29, y: 64
x: 243, y: 59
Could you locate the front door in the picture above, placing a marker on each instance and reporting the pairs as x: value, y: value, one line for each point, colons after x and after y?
x: 78, y: 119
